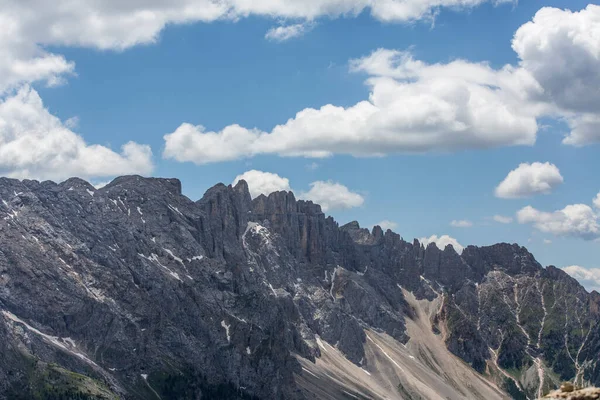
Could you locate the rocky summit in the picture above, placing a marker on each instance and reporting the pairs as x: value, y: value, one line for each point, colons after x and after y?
x: 134, y: 291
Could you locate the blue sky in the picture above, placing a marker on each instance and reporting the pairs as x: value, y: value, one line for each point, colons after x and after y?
x: 110, y: 86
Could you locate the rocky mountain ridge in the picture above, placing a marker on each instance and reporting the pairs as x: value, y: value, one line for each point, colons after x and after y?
x: 135, y: 291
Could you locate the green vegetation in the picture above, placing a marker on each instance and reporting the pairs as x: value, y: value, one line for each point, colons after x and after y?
x: 51, y: 382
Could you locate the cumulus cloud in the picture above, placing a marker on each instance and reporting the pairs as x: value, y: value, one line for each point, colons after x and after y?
x: 332, y: 196
x: 597, y: 201
x: 260, y: 182
x: 387, y: 224
x: 329, y: 195
x: 561, y: 50
x: 528, y: 180
x: 442, y: 241
x: 36, y: 144
x: 585, y: 129
x: 416, y: 107
x: 413, y: 107
x: 287, y: 32
x: 502, y: 219
x: 588, y: 277
x: 570, y: 82
x: 463, y: 223
x: 119, y: 25
x: 577, y: 220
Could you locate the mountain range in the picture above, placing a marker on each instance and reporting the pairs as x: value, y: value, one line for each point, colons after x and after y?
x: 134, y: 291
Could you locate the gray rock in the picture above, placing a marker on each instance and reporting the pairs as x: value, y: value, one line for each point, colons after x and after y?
x: 147, y: 292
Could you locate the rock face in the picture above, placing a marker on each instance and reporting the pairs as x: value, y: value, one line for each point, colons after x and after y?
x: 134, y: 291
x: 571, y: 394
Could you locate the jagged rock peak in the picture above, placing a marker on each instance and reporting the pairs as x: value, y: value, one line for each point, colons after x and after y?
x: 352, y: 225
x: 275, y: 203
x: 171, y: 185
x: 377, y: 232
x: 241, y: 188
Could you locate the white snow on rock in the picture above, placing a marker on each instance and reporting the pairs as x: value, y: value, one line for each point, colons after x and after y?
x: 176, y: 210
x: 224, y: 325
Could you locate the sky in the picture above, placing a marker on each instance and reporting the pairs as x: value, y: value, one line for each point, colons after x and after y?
x: 452, y: 121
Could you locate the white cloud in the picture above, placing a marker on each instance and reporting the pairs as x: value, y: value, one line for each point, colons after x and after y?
x: 193, y: 143
x: 418, y: 107
x: 329, y: 195
x: 118, y: 25
x: 387, y: 224
x: 313, y: 166
x: 547, y: 241
x: 287, y: 32
x: 260, y: 182
x: 332, y: 196
x: 578, y: 220
x: 585, y: 129
x: 588, y: 277
x: 100, y: 185
x: 413, y: 107
x: 30, y: 28
x: 442, y: 241
x: 72, y: 123
x: 36, y: 144
x: 528, y: 180
x: 561, y: 49
x: 502, y: 219
x: 463, y: 223
x: 597, y: 201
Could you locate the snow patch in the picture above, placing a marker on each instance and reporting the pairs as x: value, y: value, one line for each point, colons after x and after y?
x: 333, y: 283
x: 173, y: 256
x: 227, y: 327
x: 154, y: 258
x: 176, y: 210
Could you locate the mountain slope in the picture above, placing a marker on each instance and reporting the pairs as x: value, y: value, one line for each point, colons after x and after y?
x: 135, y: 291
